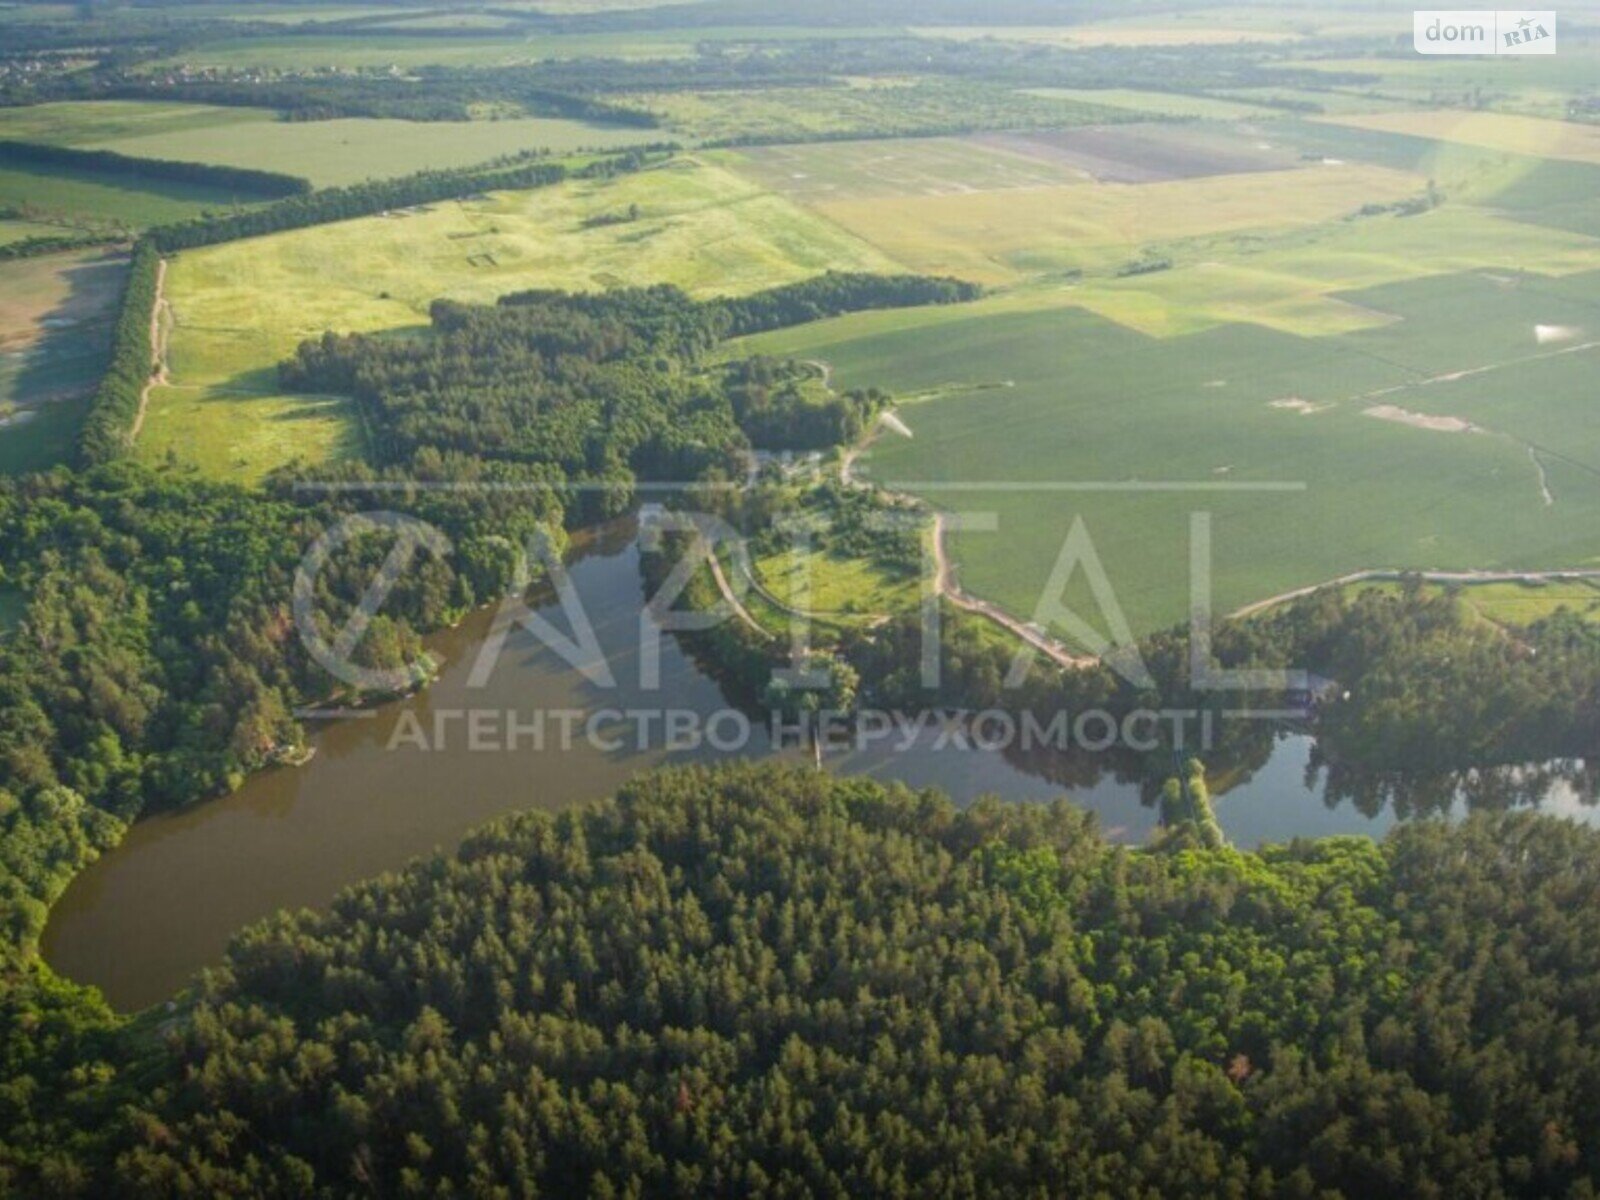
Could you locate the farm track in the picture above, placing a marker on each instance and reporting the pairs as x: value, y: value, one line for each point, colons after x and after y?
x: 1394, y: 575
x: 945, y: 585
x: 944, y: 581
x: 158, y: 349
x: 723, y: 586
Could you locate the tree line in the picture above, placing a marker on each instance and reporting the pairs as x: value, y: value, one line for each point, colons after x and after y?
x: 362, y: 200
x: 108, y: 426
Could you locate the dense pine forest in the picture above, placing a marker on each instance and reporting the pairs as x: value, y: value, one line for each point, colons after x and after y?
x: 609, y: 386
x: 769, y: 981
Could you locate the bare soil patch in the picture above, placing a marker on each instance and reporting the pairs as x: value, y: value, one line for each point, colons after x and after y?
x: 1147, y: 153
x: 1404, y: 416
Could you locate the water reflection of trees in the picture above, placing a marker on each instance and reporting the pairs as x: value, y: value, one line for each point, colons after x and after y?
x: 1476, y: 789
x: 1241, y: 755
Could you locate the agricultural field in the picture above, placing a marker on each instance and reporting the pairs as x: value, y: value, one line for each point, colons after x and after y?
x: 498, y: 47
x: 897, y: 167
x: 1156, y: 104
x: 103, y: 124
x: 906, y: 108
x: 240, y: 308
x: 1315, y: 100
x: 55, y: 327
x: 1301, y: 282
x: 1153, y: 429
x: 352, y: 51
x: 1564, y: 140
x: 97, y: 200
x: 1201, y: 32
x: 328, y: 153
x: 1274, y: 248
x: 1006, y: 238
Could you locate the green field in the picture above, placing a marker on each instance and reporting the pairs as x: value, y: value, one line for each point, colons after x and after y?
x: 1417, y: 385
x: 104, y: 123
x: 95, y: 199
x: 1538, y: 137
x: 354, y: 51
x: 1068, y: 400
x: 507, y: 47
x: 897, y: 167
x: 240, y: 308
x: 21, y: 231
x: 1002, y: 237
x: 328, y: 153
x: 1165, y: 31
x: 844, y: 591
x: 903, y: 108
x: 1163, y: 104
x: 55, y: 324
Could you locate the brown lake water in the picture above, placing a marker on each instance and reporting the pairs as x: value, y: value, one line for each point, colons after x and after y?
x: 144, y: 918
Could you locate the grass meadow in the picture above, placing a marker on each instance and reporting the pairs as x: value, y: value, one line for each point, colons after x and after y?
x: 329, y: 153
x: 846, y: 591
x: 241, y: 308
x: 95, y: 199
x: 1000, y: 237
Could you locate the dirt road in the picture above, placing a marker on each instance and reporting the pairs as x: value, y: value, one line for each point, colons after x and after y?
x: 159, y: 312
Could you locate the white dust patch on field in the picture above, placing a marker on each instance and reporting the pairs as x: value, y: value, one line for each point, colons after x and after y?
x: 1294, y: 404
x: 1544, y: 479
x: 892, y: 421
x: 1404, y: 416
x: 1546, y: 334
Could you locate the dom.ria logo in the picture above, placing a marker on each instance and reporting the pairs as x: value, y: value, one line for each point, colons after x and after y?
x: 1437, y: 31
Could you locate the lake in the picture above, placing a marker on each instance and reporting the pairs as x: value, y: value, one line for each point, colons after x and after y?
x: 409, y: 777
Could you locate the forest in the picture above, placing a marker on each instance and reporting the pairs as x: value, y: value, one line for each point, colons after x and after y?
x: 605, y: 386
x: 766, y: 980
